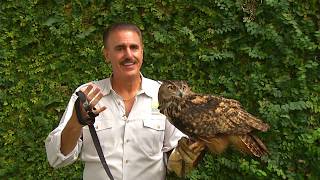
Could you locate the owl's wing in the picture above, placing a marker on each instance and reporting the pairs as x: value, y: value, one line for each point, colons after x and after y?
x: 209, y: 116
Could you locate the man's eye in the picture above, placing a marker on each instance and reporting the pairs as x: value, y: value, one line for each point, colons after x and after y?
x: 119, y: 48
x: 134, y: 48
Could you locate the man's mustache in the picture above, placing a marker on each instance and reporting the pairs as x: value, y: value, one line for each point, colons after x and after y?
x: 128, y: 61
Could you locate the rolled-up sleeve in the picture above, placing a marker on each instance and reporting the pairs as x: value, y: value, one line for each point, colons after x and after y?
x: 171, y: 137
x: 53, y: 141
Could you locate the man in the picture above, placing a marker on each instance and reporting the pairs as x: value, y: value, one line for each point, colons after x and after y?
x: 133, y: 134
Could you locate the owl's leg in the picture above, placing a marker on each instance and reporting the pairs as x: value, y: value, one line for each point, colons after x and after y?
x: 217, y: 144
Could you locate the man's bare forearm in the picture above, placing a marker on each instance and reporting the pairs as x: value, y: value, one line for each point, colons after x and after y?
x: 70, y: 134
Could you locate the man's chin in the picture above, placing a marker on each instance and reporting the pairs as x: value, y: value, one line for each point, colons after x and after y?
x: 130, y: 68
x: 131, y: 73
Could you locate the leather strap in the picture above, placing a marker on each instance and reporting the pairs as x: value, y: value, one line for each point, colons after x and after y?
x: 89, y: 120
x: 97, y: 145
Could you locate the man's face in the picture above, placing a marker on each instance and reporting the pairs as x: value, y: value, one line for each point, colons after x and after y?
x: 125, y: 52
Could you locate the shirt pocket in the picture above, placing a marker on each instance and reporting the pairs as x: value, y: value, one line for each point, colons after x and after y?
x: 153, y: 133
x: 103, y: 128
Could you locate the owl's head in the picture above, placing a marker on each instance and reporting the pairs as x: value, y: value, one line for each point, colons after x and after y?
x: 173, y: 89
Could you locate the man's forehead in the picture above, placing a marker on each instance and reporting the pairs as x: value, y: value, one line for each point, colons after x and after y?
x: 124, y: 37
x: 119, y: 34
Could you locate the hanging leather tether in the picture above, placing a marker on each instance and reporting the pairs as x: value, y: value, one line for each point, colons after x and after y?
x: 89, y: 120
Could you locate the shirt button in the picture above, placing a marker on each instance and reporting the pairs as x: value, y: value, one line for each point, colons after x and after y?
x: 127, y: 140
x: 158, y: 127
x: 127, y: 161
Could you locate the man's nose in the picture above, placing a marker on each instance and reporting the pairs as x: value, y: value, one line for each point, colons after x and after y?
x: 129, y: 53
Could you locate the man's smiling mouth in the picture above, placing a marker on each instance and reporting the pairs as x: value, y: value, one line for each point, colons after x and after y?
x: 128, y: 62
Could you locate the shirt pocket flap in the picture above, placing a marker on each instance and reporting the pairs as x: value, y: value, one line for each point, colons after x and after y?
x: 101, y: 124
x: 156, y: 124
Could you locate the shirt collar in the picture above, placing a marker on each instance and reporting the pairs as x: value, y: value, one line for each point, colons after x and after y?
x: 106, y: 86
x: 146, y: 86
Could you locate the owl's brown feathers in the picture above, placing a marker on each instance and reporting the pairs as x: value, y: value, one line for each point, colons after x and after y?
x: 215, y: 120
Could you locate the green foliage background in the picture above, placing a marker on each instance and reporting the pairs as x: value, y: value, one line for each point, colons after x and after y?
x: 264, y: 53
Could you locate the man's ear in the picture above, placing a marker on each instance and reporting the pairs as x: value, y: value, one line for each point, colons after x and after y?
x: 105, y: 55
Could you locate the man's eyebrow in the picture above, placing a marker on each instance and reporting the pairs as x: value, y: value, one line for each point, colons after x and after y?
x: 123, y: 45
x: 119, y: 45
x: 134, y: 45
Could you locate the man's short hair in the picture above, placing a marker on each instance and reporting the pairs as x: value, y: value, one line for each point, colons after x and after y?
x: 120, y: 26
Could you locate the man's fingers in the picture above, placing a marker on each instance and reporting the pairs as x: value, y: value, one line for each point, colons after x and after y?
x: 99, y: 110
x: 93, y: 94
x: 96, y: 100
x: 91, y: 91
x: 87, y: 89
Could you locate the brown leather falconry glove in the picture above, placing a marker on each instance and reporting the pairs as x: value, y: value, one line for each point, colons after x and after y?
x: 185, y: 156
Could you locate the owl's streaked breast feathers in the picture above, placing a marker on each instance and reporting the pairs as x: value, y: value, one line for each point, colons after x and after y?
x: 215, y: 120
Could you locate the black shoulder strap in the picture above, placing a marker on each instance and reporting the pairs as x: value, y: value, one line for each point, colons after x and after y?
x: 89, y: 120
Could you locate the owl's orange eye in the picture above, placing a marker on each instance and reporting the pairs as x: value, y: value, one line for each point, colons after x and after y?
x: 184, y: 87
x: 170, y: 87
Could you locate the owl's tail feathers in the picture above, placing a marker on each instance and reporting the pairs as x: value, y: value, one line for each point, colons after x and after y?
x: 250, y: 144
x: 254, y: 122
x: 216, y: 145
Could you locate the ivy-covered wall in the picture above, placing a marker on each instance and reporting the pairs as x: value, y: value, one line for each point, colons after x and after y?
x: 264, y: 53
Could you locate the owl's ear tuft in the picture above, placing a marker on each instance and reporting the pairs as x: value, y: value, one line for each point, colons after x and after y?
x: 184, y: 81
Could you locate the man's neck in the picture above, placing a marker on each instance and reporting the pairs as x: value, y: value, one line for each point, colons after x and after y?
x: 126, y: 87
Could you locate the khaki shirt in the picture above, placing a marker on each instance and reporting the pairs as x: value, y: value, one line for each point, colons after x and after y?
x: 134, y: 146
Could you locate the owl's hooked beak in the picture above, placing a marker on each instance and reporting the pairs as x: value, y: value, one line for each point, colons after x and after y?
x: 179, y: 93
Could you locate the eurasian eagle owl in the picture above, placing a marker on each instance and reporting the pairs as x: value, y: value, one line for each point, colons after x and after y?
x: 216, y: 121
